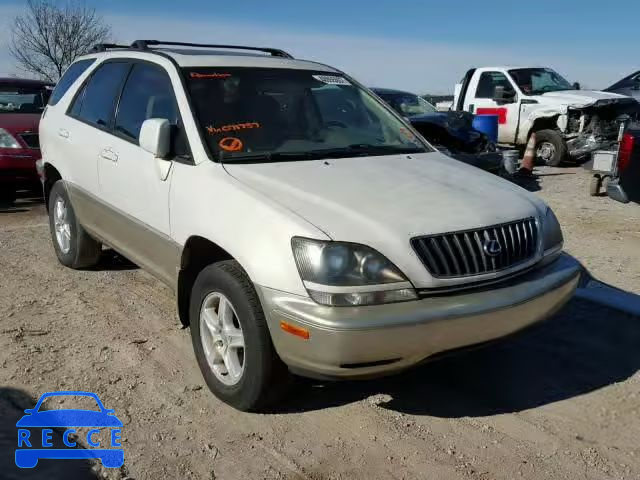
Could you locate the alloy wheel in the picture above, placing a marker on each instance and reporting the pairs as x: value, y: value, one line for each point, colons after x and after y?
x: 222, y: 338
x: 62, y: 225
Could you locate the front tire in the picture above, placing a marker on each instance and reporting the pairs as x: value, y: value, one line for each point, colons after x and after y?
x: 550, y: 148
x: 231, y: 339
x: 73, y: 245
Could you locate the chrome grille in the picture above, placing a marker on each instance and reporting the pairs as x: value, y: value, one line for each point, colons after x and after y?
x: 31, y: 139
x: 474, y: 252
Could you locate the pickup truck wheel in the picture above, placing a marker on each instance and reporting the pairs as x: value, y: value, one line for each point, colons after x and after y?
x: 594, y: 185
x: 73, y: 245
x: 550, y: 148
x: 231, y: 339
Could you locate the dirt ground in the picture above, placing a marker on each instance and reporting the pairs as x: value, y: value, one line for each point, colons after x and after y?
x: 561, y: 401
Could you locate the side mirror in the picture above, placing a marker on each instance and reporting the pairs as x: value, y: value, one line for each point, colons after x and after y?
x: 155, y: 137
x: 576, y: 85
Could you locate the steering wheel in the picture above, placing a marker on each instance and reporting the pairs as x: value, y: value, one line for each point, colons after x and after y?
x: 336, y: 123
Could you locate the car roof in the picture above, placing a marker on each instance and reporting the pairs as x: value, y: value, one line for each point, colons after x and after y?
x: 23, y: 82
x: 214, y: 58
x: 390, y: 91
x: 512, y: 67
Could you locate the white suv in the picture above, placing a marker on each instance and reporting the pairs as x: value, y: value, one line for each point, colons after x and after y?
x: 303, y: 225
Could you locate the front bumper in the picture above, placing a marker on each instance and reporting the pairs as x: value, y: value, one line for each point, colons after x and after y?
x: 351, y: 342
x: 18, y: 165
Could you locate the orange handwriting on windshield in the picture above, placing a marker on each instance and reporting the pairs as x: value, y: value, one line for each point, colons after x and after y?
x: 232, y: 128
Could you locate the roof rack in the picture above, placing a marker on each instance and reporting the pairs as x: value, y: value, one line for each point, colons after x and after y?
x: 103, y: 47
x: 145, y: 44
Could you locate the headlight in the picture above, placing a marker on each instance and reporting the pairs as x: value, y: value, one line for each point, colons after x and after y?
x: 7, y: 140
x: 348, y: 274
x: 552, y: 232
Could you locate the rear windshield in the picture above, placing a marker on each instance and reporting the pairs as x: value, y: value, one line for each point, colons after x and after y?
x: 283, y: 114
x: 23, y: 99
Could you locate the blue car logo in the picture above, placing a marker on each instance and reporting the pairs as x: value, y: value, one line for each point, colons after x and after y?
x: 32, y: 446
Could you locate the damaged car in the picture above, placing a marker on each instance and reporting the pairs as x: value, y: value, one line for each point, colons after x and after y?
x: 629, y: 86
x: 569, y: 123
x: 452, y: 133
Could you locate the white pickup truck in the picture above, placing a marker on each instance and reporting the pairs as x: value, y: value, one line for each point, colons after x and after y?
x: 568, y: 122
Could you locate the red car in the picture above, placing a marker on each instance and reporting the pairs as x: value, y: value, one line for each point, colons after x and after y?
x: 21, y: 105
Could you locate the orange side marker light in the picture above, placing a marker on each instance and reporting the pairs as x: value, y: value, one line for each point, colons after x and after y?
x: 293, y: 330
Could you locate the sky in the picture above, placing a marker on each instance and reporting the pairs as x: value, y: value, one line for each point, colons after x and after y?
x: 423, y: 46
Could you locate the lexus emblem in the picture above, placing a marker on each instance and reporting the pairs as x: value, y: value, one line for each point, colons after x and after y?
x: 492, y: 247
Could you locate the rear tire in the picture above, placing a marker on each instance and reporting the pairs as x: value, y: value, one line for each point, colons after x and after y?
x: 550, y: 148
x: 74, y: 247
x: 594, y: 185
x: 259, y: 377
x: 8, y: 194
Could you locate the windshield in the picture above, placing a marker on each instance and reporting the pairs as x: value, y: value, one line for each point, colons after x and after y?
x: 408, y: 104
x: 535, y: 81
x: 259, y: 114
x: 23, y: 100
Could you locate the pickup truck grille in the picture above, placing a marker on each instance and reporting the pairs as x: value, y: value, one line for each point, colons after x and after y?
x: 479, y: 251
x: 31, y: 139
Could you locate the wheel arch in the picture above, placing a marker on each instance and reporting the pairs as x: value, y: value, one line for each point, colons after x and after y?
x: 544, y: 123
x: 51, y: 176
x: 197, y: 253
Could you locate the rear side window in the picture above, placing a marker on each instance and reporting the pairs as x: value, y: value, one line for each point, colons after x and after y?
x: 95, y: 104
x: 148, y: 93
x: 71, y: 75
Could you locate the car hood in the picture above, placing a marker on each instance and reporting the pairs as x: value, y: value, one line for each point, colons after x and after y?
x: 452, y: 130
x: 389, y: 199
x: 454, y: 120
x: 436, y: 117
x: 580, y: 98
x: 629, y: 92
x: 20, y: 122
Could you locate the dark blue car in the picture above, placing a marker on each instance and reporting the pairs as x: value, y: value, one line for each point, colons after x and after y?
x: 629, y: 85
x: 32, y: 448
x: 450, y: 132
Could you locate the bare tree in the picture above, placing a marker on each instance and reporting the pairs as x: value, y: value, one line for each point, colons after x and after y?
x: 48, y: 36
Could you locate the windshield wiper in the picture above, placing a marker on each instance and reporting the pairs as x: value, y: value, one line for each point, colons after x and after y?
x: 364, y: 150
x: 544, y: 90
x: 370, y: 148
x: 266, y: 157
x: 353, y: 150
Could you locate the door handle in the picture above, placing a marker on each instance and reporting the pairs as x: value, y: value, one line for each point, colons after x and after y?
x: 109, y: 154
x: 63, y: 133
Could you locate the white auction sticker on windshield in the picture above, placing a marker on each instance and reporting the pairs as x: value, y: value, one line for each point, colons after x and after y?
x: 332, y: 79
